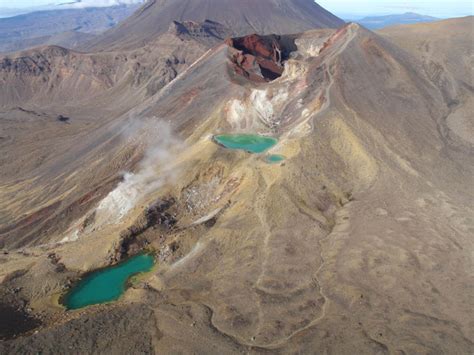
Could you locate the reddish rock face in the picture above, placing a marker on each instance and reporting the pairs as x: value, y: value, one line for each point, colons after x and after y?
x: 260, y: 58
x: 262, y: 47
x: 336, y: 36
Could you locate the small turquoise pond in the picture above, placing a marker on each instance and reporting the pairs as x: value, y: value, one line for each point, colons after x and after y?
x: 252, y: 143
x: 275, y: 158
x: 107, y: 284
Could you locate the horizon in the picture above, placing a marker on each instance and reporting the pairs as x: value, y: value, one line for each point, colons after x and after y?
x: 440, y: 9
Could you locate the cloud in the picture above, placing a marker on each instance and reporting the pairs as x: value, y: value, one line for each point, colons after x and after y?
x: 80, y: 4
x: 21, y: 7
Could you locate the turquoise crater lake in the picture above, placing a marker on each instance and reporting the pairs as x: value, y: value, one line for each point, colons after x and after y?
x: 275, y: 158
x: 252, y: 143
x: 108, y: 284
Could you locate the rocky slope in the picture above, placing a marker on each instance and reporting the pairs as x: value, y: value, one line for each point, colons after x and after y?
x: 243, y: 17
x: 70, y: 76
x: 57, y: 106
x: 358, y: 242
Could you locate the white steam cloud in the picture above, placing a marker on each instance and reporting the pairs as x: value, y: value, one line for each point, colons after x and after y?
x: 162, y: 146
x: 155, y: 170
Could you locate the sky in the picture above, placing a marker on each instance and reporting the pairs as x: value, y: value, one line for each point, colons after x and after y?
x: 342, y: 8
x: 436, y: 8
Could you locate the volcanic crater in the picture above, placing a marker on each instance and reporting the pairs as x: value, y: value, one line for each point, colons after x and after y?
x: 260, y: 58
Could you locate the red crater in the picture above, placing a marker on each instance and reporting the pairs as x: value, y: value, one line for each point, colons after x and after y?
x: 260, y: 58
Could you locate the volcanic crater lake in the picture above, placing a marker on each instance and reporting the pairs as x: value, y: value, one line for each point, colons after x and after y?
x: 252, y: 143
x: 275, y: 158
x: 108, y: 284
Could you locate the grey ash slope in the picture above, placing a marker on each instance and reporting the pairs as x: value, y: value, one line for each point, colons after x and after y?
x: 446, y: 53
x: 242, y: 16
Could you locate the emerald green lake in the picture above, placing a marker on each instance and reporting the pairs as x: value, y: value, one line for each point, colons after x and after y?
x: 107, y: 284
x: 275, y: 158
x: 252, y: 143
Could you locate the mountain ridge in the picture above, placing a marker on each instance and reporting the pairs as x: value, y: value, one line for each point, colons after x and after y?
x: 243, y: 17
